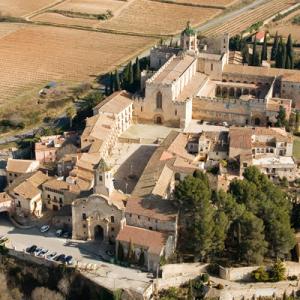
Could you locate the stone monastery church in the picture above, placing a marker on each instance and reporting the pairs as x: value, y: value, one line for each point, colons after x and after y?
x: 197, y: 80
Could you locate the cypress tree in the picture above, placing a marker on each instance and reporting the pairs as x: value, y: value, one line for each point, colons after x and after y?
x: 131, y: 79
x: 254, y: 58
x: 283, y: 59
x: 137, y: 72
x: 111, y: 83
x: 278, y: 60
x: 264, y: 52
x: 126, y: 77
x: 117, y: 81
x: 289, y: 64
x: 275, y: 47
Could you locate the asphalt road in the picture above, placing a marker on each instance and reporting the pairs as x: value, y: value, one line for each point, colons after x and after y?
x: 109, y: 275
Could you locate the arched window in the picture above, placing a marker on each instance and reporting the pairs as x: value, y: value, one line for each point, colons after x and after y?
x: 159, y: 100
x: 112, y: 219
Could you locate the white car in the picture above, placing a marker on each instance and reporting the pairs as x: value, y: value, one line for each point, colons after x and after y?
x: 45, y: 228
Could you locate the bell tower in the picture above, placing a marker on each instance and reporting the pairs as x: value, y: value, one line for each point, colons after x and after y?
x: 188, y: 39
x: 103, y: 179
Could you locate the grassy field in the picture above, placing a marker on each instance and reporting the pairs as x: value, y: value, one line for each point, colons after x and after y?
x: 297, y: 148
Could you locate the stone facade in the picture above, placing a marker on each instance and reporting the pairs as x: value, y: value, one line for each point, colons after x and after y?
x: 96, y: 217
x: 196, y: 81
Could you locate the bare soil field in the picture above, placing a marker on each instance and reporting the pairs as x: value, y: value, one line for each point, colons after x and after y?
x: 55, y: 18
x: 213, y: 3
x: 245, y: 20
x: 34, y: 55
x: 91, y: 6
x: 149, y: 17
x: 285, y: 27
x: 19, y: 8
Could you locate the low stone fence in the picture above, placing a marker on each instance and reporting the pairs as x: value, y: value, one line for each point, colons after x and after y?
x: 244, y: 273
x: 178, y: 274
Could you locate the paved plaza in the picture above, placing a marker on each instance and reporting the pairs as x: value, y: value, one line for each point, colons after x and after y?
x: 85, y: 253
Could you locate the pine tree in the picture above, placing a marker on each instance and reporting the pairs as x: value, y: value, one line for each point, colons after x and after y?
x: 289, y: 63
x: 117, y: 86
x: 275, y: 46
x: 264, y: 52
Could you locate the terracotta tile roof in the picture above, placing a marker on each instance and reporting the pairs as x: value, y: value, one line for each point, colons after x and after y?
x: 241, y: 137
x: 174, y: 69
x: 29, y: 188
x: 115, y: 103
x: 287, y: 75
x: 21, y: 165
x: 153, y: 241
x: 159, y: 209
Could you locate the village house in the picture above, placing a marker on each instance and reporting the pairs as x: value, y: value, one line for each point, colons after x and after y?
x: 26, y: 193
x: 5, y: 202
x: 269, y: 149
x: 50, y: 148
x: 151, y: 245
x: 17, y: 167
x: 112, y: 117
x: 59, y: 193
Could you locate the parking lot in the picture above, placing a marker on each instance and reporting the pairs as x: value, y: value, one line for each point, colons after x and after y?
x: 85, y: 253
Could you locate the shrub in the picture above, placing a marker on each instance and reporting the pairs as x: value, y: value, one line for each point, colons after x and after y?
x: 220, y: 286
x: 260, y: 275
x: 277, y: 272
x: 205, y: 277
x: 292, y: 278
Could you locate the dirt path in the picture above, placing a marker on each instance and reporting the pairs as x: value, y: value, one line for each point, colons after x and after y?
x: 41, y: 10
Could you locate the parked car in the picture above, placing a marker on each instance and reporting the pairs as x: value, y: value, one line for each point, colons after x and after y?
x: 31, y: 249
x: 51, y: 256
x: 60, y: 258
x: 42, y: 253
x: 45, y: 228
x: 37, y: 251
x: 69, y: 260
x: 59, y: 232
x: 66, y: 234
x: 110, y: 252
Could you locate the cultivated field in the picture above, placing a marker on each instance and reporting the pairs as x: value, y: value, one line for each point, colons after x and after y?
x: 150, y: 17
x: 214, y: 3
x: 284, y: 27
x: 19, y: 8
x: 245, y: 20
x: 56, y: 18
x: 33, y: 55
x: 92, y: 6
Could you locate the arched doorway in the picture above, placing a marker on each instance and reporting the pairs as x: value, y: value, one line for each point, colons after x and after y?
x: 257, y: 121
x: 158, y: 120
x: 98, y: 233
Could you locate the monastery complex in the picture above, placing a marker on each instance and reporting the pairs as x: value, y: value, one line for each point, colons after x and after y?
x: 192, y: 82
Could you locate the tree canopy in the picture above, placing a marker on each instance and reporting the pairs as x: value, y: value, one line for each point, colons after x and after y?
x: 248, y: 223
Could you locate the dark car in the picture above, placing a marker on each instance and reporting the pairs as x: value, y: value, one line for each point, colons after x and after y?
x: 31, y: 249
x: 60, y: 258
x: 66, y: 234
x: 69, y: 260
